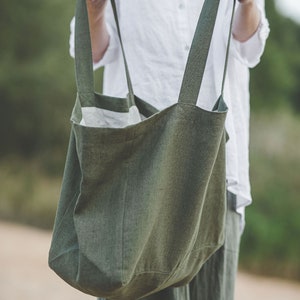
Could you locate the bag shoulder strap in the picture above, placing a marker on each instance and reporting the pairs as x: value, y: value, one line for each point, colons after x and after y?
x: 129, y: 84
x: 197, y: 58
x: 198, y: 54
x: 196, y: 62
x: 83, y: 52
x: 228, y: 48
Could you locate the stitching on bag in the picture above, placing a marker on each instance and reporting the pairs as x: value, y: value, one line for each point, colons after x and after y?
x: 85, y: 93
x: 210, y: 112
x: 66, y: 211
x: 123, y: 224
x: 168, y: 272
x: 207, y: 246
x: 152, y: 272
x: 74, y: 248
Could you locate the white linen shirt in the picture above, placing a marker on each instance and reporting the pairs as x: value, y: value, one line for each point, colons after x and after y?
x: 157, y: 36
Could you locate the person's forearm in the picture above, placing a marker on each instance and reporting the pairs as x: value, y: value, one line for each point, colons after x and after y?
x: 246, y: 20
x: 98, y: 31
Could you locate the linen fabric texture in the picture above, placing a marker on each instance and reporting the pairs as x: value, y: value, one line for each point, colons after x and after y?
x: 216, y: 279
x: 156, y: 50
x: 141, y: 208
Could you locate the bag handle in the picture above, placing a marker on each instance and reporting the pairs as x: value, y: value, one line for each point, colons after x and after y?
x: 228, y: 48
x: 129, y: 83
x: 199, y: 49
x: 83, y: 52
x: 196, y: 62
x: 198, y: 54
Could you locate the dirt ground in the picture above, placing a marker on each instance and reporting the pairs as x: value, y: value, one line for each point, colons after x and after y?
x: 24, y: 273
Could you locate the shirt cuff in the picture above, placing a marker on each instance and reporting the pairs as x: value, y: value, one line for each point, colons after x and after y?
x: 110, y: 53
x: 250, y: 51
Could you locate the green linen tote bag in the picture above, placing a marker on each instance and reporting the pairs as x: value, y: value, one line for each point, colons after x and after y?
x: 142, y: 204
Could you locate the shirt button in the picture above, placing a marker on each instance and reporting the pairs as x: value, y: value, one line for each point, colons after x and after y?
x: 181, y: 6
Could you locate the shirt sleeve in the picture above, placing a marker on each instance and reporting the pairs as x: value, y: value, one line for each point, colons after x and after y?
x: 113, y: 47
x: 250, y: 51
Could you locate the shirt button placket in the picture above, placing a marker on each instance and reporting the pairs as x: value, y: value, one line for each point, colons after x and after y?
x: 184, y: 23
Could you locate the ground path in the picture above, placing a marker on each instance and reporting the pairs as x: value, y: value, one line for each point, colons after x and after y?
x: 24, y: 273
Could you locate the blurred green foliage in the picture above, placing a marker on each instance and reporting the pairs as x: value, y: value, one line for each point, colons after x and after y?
x: 275, y: 81
x: 37, y: 90
x: 28, y: 194
x: 271, y: 244
x: 36, y: 78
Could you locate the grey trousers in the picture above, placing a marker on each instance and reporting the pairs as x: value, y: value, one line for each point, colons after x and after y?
x: 216, y: 279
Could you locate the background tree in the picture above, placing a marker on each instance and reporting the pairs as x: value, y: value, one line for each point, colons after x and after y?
x: 36, y: 77
x: 275, y: 81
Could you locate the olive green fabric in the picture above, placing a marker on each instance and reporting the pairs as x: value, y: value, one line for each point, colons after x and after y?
x: 141, y: 207
x: 216, y: 279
